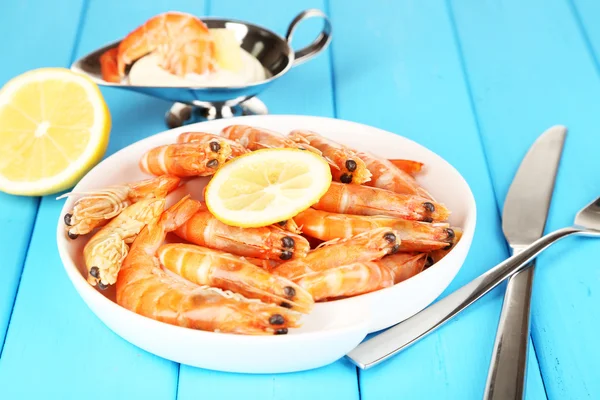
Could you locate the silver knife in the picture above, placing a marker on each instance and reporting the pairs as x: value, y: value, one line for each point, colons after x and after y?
x: 523, y: 222
x: 390, y: 342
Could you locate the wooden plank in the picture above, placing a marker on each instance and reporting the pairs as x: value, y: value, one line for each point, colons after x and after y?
x: 18, y: 216
x: 337, y: 380
x: 530, y: 67
x: 53, y: 336
x: 398, y: 67
x: 38, y: 45
x: 304, y: 90
x: 586, y: 14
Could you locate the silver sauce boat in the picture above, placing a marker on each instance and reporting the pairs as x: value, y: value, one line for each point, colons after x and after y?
x: 197, y: 103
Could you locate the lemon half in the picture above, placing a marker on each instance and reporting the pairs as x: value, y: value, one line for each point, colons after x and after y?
x: 54, y: 126
x: 267, y: 186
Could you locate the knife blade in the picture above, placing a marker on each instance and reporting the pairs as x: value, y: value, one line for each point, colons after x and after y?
x: 528, y: 198
x: 524, y: 219
x: 395, y: 339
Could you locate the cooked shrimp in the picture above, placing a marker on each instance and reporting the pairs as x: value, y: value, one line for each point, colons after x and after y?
x: 108, y: 65
x: 267, y: 242
x: 95, y: 208
x: 437, y: 255
x: 144, y: 288
x: 414, y: 235
x: 362, y: 277
x: 368, y: 246
x: 387, y: 176
x: 222, y: 270
x: 105, y: 251
x: 181, y: 42
x: 408, y: 166
x: 346, y: 280
x: 366, y: 200
x: 186, y: 159
x: 258, y: 138
x: 264, y: 264
x: 404, y: 265
x: 201, y: 137
x: 348, y: 166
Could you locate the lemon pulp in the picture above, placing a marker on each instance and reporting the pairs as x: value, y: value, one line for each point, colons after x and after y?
x: 54, y: 126
x: 267, y: 186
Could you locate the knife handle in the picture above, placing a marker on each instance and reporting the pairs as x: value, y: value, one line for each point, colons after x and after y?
x: 506, y: 376
x: 383, y: 346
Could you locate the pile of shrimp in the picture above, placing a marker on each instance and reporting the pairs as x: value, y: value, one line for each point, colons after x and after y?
x: 374, y: 227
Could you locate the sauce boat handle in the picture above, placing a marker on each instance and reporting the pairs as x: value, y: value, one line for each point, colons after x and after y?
x: 319, y: 44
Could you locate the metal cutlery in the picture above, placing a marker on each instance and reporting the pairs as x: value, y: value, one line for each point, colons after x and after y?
x: 523, y: 221
x: 408, y: 332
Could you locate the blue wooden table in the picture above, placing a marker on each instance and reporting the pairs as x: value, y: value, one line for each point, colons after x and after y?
x: 475, y: 81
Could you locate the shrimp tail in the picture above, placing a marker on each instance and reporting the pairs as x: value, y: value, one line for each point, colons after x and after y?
x: 409, y: 166
x: 179, y: 213
x: 108, y: 66
x: 157, y: 187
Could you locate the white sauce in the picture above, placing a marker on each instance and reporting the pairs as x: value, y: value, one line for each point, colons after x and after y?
x: 146, y: 72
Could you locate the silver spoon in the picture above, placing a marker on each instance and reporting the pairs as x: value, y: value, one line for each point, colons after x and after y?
x: 404, y: 334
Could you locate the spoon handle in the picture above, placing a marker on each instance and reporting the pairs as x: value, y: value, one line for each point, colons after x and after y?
x: 397, y: 338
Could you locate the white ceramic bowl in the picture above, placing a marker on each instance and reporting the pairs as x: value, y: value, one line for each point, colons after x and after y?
x: 333, y: 328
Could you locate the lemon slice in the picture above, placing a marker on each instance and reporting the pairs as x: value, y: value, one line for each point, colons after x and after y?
x: 54, y: 126
x: 267, y: 186
x: 228, y: 53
